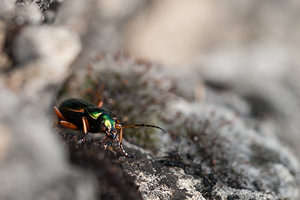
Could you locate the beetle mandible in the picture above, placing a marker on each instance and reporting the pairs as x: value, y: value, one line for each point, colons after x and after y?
x: 78, y: 114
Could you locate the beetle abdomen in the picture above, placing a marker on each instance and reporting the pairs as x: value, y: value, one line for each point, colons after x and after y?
x: 73, y: 110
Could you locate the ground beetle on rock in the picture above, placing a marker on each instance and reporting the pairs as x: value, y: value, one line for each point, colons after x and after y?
x: 78, y: 114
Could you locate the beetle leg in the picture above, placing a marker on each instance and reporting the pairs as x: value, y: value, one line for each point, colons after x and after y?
x: 85, y: 125
x: 123, y: 150
x: 100, y: 103
x: 59, y: 114
x: 104, y: 139
x: 119, y: 126
x: 68, y: 125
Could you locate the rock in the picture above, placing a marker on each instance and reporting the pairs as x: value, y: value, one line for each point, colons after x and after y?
x: 7, y: 8
x: 185, y: 38
x: 99, y: 23
x: 112, y: 182
x: 32, y: 160
x: 4, y: 59
x: 42, y: 65
x: 234, y: 154
x: 159, y: 181
x: 215, y: 149
x: 28, y: 13
x: 43, y: 4
x: 6, y: 139
x: 18, y: 13
x: 258, y: 61
x: 42, y: 42
x: 221, y: 159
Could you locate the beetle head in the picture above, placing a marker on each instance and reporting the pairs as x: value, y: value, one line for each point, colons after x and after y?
x: 109, y: 126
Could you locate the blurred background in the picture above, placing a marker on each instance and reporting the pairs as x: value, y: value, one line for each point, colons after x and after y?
x: 249, y: 47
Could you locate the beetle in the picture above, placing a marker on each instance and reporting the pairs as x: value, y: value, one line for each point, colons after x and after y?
x: 78, y: 114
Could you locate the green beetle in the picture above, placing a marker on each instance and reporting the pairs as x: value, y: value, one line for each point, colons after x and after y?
x: 78, y: 114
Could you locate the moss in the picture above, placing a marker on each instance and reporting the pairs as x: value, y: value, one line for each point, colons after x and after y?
x: 211, y: 135
x: 131, y: 89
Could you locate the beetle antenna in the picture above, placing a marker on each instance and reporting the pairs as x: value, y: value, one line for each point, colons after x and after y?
x: 144, y: 125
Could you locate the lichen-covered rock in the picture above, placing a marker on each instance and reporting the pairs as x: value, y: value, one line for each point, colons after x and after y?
x: 271, y: 94
x: 214, y: 149
x: 43, y: 4
x: 158, y: 180
x: 237, y: 155
x: 132, y: 90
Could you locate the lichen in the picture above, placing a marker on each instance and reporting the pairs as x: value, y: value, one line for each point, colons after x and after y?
x: 132, y: 90
x: 215, y: 141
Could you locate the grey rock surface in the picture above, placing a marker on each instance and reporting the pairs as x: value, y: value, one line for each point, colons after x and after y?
x: 7, y: 8
x: 4, y: 59
x: 43, y: 4
x: 40, y: 65
x: 33, y: 162
x: 216, y: 149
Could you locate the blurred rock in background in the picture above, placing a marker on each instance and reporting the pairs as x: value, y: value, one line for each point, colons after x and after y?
x: 35, y: 59
x: 221, y: 77
x: 250, y: 47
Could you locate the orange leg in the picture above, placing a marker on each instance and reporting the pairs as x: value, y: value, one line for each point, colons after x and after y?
x: 100, y: 103
x: 85, y: 125
x: 68, y: 125
x: 119, y: 126
x: 122, y: 149
x: 59, y: 114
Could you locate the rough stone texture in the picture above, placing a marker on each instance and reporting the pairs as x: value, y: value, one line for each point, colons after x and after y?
x: 216, y: 149
x: 43, y: 4
x: 156, y: 180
